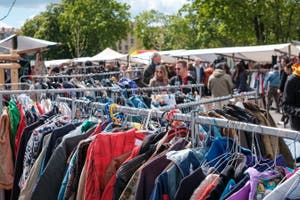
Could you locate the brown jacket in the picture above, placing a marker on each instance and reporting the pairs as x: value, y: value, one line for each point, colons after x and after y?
x: 6, y: 156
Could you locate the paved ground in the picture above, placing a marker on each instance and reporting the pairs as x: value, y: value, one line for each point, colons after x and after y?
x: 294, y: 146
x: 277, y: 116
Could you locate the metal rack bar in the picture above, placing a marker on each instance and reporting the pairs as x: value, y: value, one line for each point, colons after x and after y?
x: 75, y: 90
x: 114, y: 89
x: 79, y: 75
x: 211, y: 100
x: 225, y: 123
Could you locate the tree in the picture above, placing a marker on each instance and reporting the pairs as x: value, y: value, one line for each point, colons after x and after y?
x: 84, y: 27
x: 46, y: 26
x: 235, y: 22
x: 150, y: 29
x: 93, y: 25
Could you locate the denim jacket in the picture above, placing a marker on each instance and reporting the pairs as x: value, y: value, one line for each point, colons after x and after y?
x: 185, y: 162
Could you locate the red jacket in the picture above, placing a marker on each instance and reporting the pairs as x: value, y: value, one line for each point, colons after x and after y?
x: 101, y: 152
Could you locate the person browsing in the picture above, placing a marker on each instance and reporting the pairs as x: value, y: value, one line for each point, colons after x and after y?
x: 182, y: 76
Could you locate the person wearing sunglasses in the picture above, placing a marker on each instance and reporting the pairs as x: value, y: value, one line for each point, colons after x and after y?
x: 182, y: 76
x: 160, y: 77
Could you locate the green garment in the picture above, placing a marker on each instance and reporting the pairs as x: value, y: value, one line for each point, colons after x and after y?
x: 14, y: 119
x: 87, y: 125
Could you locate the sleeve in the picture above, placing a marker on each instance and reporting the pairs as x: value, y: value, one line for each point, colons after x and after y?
x: 151, y: 83
x: 202, y: 75
x: 290, y: 98
x: 282, y: 82
x: 148, y: 75
x: 243, y: 83
x: 267, y: 77
x: 209, y: 83
x: 230, y: 83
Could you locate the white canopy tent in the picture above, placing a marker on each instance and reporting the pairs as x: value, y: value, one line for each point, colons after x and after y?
x: 166, y: 56
x: 26, y: 44
x: 262, y: 53
x: 81, y: 59
x: 49, y: 63
x: 108, y: 54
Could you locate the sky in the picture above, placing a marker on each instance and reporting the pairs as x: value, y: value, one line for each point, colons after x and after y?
x: 26, y: 9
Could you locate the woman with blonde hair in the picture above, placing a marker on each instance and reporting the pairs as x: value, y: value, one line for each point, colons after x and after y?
x: 160, y: 77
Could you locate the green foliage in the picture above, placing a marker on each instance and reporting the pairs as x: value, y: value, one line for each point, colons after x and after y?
x: 249, y: 22
x: 149, y: 28
x: 84, y: 27
x: 219, y: 23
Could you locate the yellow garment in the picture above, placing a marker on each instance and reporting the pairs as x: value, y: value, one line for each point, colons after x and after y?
x: 136, y: 125
x: 296, y: 69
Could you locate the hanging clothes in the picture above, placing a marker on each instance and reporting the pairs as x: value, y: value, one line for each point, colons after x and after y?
x: 18, y: 171
x: 14, y: 116
x: 6, y: 154
x: 101, y: 151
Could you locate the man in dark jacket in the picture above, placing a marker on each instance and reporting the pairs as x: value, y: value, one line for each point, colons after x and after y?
x: 291, y: 96
x: 283, y: 79
x: 149, y: 72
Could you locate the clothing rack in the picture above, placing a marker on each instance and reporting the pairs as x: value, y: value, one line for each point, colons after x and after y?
x: 211, y: 100
x: 144, y: 89
x: 79, y: 75
x: 75, y: 90
x: 252, y: 128
x: 290, y: 134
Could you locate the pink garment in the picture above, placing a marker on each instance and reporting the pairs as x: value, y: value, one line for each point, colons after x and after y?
x: 211, y: 179
x: 6, y: 154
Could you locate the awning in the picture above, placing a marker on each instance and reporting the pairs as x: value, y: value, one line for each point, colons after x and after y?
x: 261, y: 53
x: 26, y: 44
x: 108, y: 54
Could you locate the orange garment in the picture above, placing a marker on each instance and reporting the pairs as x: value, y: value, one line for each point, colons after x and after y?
x: 208, y: 71
x: 206, y: 186
x: 39, y: 108
x: 6, y: 154
x: 208, y: 189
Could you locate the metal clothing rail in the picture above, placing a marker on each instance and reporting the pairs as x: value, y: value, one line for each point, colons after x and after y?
x: 75, y: 90
x: 34, y: 91
x: 225, y: 123
x: 79, y: 75
x: 211, y: 100
x: 253, y: 128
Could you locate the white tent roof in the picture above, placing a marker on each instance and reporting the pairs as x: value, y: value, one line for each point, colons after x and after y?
x: 81, y: 59
x: 108, y: 54
x: 26, y: 44
x: 145, y: 58
x: 56, y: 62
x: 262, y: 53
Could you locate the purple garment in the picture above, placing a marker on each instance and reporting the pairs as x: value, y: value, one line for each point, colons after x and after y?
x: 249, y: 190
x: 279, y: 162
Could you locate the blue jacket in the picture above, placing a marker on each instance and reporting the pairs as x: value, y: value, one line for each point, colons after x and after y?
x: 273, y: 78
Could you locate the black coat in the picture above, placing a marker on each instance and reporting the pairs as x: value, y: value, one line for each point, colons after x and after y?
x: 149, y: 73
x: 291, y: 100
